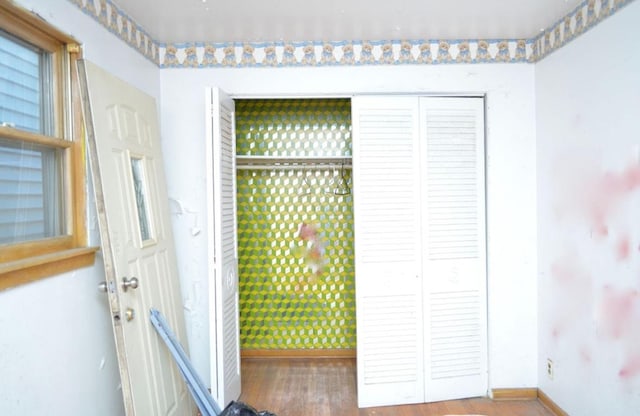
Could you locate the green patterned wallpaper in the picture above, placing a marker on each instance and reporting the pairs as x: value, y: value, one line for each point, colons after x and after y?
x: 295, y: 234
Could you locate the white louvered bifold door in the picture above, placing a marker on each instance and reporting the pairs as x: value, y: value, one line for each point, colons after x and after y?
x: 223, y: 256
x: 387, y: 250
x: 453, y: 240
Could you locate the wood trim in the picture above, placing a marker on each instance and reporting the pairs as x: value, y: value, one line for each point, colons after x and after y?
x: 528, y: 394
x: 299, y: 353
x: 36, y: 248
x: 34, y: 268
x: 78, y: 162
x: 32, y: 260
x: 28, y: 25
x: 514, y: 394
x: 35, y: 138
x: 550, y: 404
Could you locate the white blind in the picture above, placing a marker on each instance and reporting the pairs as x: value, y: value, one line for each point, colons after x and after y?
x: 20, y: 85
x: 29, y: 182
x: 21, y: 195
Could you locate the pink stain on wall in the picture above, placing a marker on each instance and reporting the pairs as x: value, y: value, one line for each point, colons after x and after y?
x: 623, y: 248
x: 607, y: 193
x: 631, y: 367
x: 620, y: 320
x: 619, y: 312
x: 604, y: 201
x: 573, y: 290
x: 567, y: 271
x: 585, y: 354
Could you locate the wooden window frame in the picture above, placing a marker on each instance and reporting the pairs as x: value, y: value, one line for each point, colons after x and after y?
x: 34, y: 260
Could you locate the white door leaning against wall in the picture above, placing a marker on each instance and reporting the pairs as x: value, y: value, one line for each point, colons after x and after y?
x: 137, y: 240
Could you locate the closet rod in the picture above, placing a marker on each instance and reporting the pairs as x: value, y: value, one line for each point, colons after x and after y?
x: 307, y: 166
x: 292, y: 162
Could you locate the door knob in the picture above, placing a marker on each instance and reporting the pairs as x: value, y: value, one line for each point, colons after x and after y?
x: 129, y: 283
x: 102, y: 286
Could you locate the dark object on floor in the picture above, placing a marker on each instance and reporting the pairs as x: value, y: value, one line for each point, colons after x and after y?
x: 243, y: 409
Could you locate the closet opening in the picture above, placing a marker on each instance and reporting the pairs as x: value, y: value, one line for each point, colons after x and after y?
x: 419, y: 233
x: 295, y: 233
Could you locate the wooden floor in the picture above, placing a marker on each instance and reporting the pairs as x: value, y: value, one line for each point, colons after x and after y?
x: 327, y: 387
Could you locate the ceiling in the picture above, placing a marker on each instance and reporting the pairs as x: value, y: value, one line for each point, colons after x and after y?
x: 179, y: 21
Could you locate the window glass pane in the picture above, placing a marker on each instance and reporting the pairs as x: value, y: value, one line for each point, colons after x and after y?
x: 30, y: 189
x: 24, y: 74
x: 137, y: 168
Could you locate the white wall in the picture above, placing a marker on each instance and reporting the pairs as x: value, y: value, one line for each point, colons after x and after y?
x: 57, y: 352
x: 588, y: 145
x: 510, y: 182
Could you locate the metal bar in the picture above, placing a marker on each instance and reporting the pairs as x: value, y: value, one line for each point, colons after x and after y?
x: 274, y: 161
x: 279, y: 166
x: 292, y: 162
x: 199, y: 392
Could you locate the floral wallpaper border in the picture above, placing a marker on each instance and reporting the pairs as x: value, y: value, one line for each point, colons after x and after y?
x: 123, y: 26
x: 379, y: 52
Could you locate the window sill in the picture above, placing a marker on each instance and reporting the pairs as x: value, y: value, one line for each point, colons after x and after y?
x: 18, y: 272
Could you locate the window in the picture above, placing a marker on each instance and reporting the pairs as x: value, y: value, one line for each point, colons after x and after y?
x: 42, y: 172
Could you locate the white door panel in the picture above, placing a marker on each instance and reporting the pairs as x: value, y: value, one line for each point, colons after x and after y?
x: 222, y: 241
x: 134, y: 221
x: 387, y: 251
x: 454, y: 256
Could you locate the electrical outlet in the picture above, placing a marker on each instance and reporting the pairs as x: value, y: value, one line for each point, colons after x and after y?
x: 549, y: 368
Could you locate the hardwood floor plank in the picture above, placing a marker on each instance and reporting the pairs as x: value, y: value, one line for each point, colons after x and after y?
x: 328, y: 387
